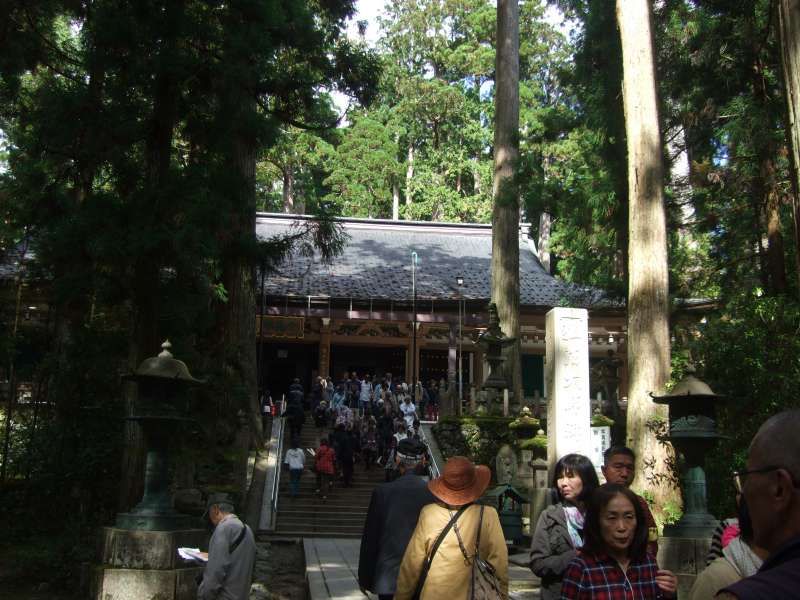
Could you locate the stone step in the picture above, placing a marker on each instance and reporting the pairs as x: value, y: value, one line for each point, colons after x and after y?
x: 364, y: 487
x: 319, y: 530
x: 356, y: 520
x: 342, y: 514
x: 311, y: 533
x: 333, y: 502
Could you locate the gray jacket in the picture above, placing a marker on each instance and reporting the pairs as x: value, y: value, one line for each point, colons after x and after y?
x: 551, y: 550
x: 228, y: 575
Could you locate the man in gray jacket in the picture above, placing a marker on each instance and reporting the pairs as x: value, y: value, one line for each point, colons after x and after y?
x: 231, y: 554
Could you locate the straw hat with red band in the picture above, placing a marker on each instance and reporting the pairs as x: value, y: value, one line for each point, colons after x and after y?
x: 461, y: 482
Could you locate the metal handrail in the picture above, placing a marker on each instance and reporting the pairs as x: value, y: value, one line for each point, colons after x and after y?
x: 276, y: 482
x: 435, y: 471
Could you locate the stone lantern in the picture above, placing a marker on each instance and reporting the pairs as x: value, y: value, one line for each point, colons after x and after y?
x: 162, y: 381
x: 693, y: 432
x: 493, y: 340
x: 139, y: 556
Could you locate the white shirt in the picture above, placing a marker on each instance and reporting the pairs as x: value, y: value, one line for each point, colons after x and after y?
x: 295, y: 458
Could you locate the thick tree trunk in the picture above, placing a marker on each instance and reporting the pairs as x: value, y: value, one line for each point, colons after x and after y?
x: 237, y: 317
x: 772, y: 206
x: 789, y: 30
x: 288, y: 190
x: 395, y: 202
x: 543, y: 243
x: 766, y: 187
x: 505, y: 188
x: 648, y: 303
x: 476, y: 177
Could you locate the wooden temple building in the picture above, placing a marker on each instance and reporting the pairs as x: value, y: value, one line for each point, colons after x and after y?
x: 357, y: 313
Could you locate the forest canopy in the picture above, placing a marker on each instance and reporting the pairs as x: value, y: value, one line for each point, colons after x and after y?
x: 138, y: 140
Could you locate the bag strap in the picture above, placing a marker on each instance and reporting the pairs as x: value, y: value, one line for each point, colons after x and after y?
x: 235, y: 543
x: 426, y: 567
x: 478, y: 536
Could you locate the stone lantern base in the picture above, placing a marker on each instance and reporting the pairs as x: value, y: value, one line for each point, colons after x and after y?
x: 684, y: 556
x: 145, y: 564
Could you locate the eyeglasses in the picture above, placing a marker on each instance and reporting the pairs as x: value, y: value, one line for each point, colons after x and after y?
x: 739, y: 476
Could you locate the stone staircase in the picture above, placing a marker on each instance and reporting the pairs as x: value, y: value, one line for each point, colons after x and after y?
x: 342, y: 514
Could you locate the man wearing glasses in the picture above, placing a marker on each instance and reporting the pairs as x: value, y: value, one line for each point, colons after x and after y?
x: 771, y: 488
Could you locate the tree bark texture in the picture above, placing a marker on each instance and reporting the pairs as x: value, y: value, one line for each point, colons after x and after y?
x: 543, y: 245
x: 765, y: 186
x: 409, y: 173
x: 237, y: 315
x: 789, y: 30
x: 505, y: 188
x: 648, y: 305
x: 288, y: 190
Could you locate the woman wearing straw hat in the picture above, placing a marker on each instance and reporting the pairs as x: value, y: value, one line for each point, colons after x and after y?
x: 451, y: 562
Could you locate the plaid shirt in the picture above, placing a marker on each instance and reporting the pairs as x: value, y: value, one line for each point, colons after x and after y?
x: 590, y: 577
x: 324, y: 459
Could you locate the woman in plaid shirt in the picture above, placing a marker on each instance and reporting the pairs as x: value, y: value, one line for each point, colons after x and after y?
x: 613, y: 563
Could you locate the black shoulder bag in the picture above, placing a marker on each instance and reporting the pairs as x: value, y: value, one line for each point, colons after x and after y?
x: 427, y: 566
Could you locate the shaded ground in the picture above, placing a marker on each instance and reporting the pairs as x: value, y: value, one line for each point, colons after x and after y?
x: 280, y: 572
x: 18, y: 586
x: 279, y: 575
x: 24, y: 592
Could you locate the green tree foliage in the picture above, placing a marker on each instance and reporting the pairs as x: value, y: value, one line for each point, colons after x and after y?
x: 363, y: 169
x: 133, y: 132
x: 748, y: 352
x: 432, y: 119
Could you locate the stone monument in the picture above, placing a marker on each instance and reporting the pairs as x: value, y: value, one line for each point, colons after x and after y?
x: 567, y: 381
x: 506, y: 465
x: 139, y: 556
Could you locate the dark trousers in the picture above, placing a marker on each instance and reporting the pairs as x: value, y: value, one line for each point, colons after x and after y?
x: 323, y: 483
x: 385, y: 596
x: 294, y: 481
x: 347, y: 471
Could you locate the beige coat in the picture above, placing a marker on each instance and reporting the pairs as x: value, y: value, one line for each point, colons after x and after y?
x: 449, y: 575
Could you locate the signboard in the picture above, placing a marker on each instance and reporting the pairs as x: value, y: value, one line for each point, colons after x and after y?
x: 280, y: 327
x: 601, y: 441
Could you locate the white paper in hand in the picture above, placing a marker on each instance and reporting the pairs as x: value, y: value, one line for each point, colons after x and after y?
x: 192, y: 554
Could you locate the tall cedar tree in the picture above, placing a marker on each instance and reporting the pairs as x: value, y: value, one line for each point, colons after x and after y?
x: 505, y: 189
x: 134, y: 133
x: 789, y: 32
x: 648, y: 301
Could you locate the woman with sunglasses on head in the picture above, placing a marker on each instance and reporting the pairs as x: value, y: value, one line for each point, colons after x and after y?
x: 613, y: 563
x: 558, y: 534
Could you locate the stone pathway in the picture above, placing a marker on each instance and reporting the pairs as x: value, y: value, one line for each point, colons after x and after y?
x: 332, y: 572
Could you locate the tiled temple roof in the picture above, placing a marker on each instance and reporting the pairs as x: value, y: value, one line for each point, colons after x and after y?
x: 376, y: 264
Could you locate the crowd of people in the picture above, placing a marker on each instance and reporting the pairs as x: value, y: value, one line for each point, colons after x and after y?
x: 598, y: 541
x: 424, y: 538
x: 359, y: 422
x: 595, y: 542
x: 368, y: 394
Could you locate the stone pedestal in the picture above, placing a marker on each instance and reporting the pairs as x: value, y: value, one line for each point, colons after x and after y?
x: 145, y: 564
x: 567, y: 377
x: 685, y: 557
